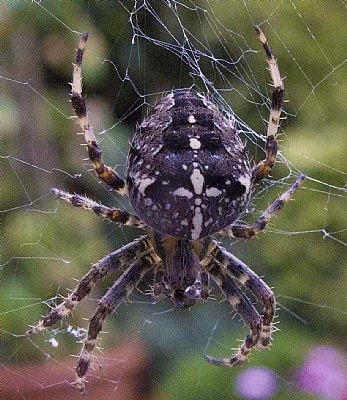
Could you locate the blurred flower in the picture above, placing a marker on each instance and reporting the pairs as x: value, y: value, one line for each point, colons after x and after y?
x: 324, y: 373
x: 256, y: 383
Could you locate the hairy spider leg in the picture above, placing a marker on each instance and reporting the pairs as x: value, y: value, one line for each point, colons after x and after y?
x: 114, y: 297
x: 246, y: 232
x: 265, y: 166
x: 104, y: 172
x: 255, y: 285
x: 116, y: 260
x: 243, y: 307
x: 112, y: 214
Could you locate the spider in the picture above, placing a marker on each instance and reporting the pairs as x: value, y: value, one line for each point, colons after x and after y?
x: 188, y: 178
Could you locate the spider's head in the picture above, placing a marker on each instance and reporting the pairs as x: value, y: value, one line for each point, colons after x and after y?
x: 184, y: 299
x: 181, y: 263
x: 181, y: 260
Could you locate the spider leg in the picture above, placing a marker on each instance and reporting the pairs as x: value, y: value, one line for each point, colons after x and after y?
x: 255, y: 285
x: 110, y: 263
x: 264, y: 167
x: 112, y: 214
x: 243, y: 307
x: 246, y: 232
x: 104, y: 172
x: 114, y: 297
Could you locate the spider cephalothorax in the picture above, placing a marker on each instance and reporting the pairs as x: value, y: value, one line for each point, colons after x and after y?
x: 188, y: 178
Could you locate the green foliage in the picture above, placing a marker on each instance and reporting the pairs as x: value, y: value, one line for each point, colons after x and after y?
x: 193, y: 378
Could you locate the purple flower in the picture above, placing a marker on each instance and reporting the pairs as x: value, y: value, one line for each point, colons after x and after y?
x: 324, y: 373
x: 256, y: 383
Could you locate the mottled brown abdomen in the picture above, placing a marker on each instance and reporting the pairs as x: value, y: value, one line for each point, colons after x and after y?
x: 188, y: 172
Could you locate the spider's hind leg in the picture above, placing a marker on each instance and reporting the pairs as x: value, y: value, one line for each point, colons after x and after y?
x: 105, y: 173
x: 262, y: 169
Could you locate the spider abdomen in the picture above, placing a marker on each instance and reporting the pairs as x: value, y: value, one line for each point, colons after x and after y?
x: 188, y: 172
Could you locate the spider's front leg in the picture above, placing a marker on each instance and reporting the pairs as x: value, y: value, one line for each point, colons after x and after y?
x: 114, y: 297
x: 251, y: 282
x: 104, y: 172
x: 110, y: 263
x: 242, y: 306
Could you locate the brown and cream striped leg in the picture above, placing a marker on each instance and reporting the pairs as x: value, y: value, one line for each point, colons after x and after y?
x: 243, y: 307
x: 104, y: 172
x: 255, y: 285
x: 246, y: 232
x: 113, y: 214
x: 261, y: 170
x: 114, y: 297
x: 116, y: 260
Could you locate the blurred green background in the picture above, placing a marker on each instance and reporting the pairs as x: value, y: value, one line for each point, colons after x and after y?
x: 47, y: 244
